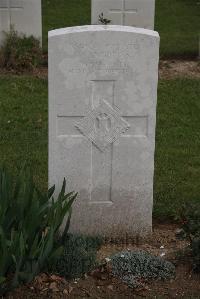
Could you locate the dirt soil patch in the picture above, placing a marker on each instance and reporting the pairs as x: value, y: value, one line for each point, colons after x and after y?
x: 169, y: 69
x: 39, y: 72
x: 101, y: 284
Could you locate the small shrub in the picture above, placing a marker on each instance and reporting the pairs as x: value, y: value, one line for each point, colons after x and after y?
x: 78, y: 257
x: 103, y: 20
x: 134, y: 267
x: 29, y: 223
x: 20, y: 52
x: 190, y: 230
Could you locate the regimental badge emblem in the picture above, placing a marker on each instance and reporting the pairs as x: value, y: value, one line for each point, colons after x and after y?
x: 103, y: 125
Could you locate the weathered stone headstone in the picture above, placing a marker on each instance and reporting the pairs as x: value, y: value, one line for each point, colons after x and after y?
x: 24, y: 15
x: 102, y: 117
x: 137, y: 13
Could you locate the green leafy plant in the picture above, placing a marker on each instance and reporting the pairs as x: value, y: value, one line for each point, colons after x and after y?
x: 78, y: 257
x: 19, y: 52
x: 29, y: 225
x: 103, y: 20
x: 190, y: 230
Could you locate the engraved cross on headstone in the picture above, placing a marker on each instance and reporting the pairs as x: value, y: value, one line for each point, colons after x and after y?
x: 103, y: 126
x: 8, y: 6
x: 123, y: 12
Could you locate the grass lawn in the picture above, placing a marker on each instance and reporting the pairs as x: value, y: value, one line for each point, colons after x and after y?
x: 23, y: 124
x: 177, y: 162
x: 23, y: 135
x: 64, y: 13
x: 177, y: 21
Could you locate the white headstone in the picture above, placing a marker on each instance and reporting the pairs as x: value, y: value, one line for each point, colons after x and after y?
x: 102, y: 117
x: 24, y: 15
x: 137, y: 13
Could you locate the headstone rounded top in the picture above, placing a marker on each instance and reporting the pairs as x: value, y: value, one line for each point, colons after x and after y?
x: 98, y: 28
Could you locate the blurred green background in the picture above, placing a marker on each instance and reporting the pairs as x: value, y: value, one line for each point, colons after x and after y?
x: 177, y: 21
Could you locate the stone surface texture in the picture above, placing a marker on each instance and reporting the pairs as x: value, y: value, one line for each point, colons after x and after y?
x: 24, y: 15
x: 136, y: 13
x: 102, y: 118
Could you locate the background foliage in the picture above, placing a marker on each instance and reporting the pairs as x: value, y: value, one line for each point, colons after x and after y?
x: 190, y: 230
x: 19, y: 52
